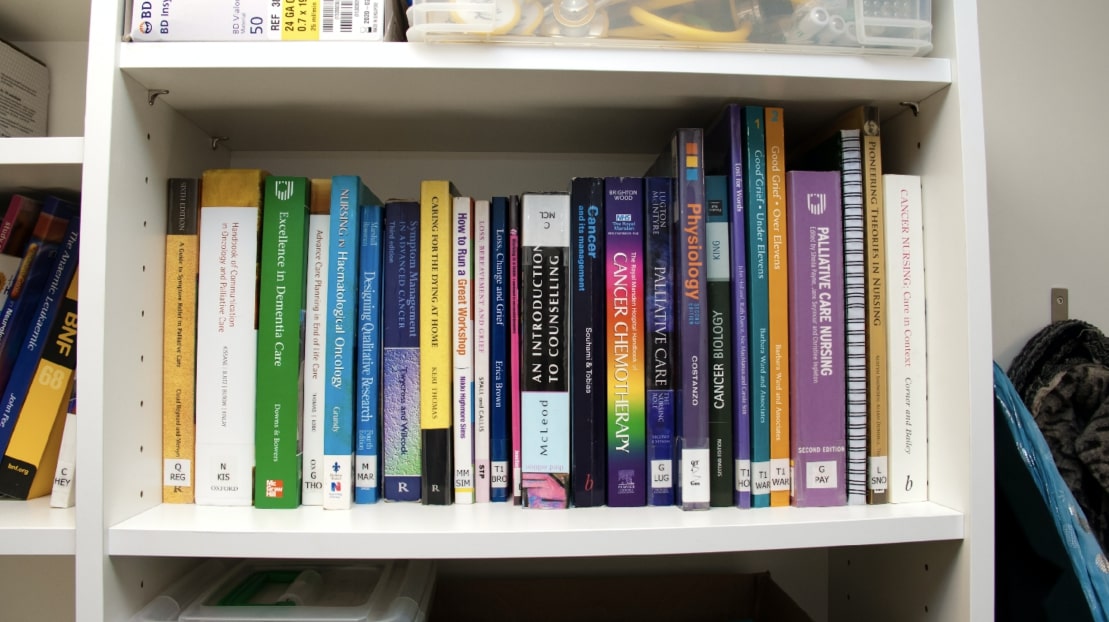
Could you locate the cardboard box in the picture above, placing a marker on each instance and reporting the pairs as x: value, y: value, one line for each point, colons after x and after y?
x: 701, y: 597
x: 24, y: 93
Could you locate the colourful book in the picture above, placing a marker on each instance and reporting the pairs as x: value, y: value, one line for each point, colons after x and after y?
x: 18, y: 223
x: 660, y: 339
x: 401, y: 353
x: 315, y: 336
x: 30, y: 461
x: 718, y: 283
x: 462, y: 345
x: 30, y: 281
x: 281, y: 287
x: 367, y: 435
x: 818, y: 384
x: 778, y: 304
x: 514, y: 316
x: 724, y: 155
x: 482, y: 346
x: 842, y: 151
x: 226, y: 335
x: 545, y: 360
x: 588, y: 393
x: 758, y: 304
x: 906, y: 332
x: 348, y: 193
x: 179, y: 340
x: 624, y: 286
x: 500, y: 399
x: 437, y: 465
x: 683, y: 161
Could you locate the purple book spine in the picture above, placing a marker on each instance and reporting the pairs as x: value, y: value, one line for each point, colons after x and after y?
x: 816, y: 334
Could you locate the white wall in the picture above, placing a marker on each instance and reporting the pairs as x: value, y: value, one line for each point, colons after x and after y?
x: 1045, y: 80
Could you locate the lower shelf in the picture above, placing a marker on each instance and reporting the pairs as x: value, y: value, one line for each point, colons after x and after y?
x: 503, y: 531
x: 34, y: 528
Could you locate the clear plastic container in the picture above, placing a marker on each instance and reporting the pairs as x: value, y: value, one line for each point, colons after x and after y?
x: 869, y: 26
x: 315, y: 591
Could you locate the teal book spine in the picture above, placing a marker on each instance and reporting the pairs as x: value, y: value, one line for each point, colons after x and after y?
x: 758, y: 300
x: 368, y: 424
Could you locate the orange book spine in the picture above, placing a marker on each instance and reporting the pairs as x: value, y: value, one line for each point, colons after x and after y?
x: 777, y: 274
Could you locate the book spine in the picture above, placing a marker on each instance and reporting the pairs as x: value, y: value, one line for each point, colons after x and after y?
x: 481, y: 345
x: 718, y: 283
x: 25, y: 293
x: 876, y: 346
x: 587, y: 312
x: 817, y: 326
x: 778, y: 304
x: 462, y: 289
x: 179, y: 340
x: 435, y: 342
x: 854, y: 295
x: 627, y: 412
x: 514, y: 343
x: 227, y: 341
x: 500, y: 398
x: 30, y: 460
x: 544, y: 382
x: 401, y: 353
x: 315, y: 336
x: 367, y: 447
x: 342, y: 305
x: 283, y: 253
x: 758, y: 305
x: 63, y: 493
x: 729, y: 136
x: 692, y: 320
x: 906, y: 331
x: 660, y: 342
x: 19, y: 221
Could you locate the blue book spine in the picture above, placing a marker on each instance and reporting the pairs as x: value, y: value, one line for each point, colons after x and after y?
x: 31, y: 279
x: 659, y: 281
x: 758, y: 301
x: 366, y: 449
x: 401, y: 353
x: 500, y: 401
x: 34, y: 342
x: 347, y: 194
x: 588, y: 401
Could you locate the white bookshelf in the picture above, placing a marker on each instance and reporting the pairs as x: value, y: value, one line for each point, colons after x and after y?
x: 495, y: 120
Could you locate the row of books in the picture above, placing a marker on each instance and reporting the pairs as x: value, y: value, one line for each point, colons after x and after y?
x: 613, y: 344
x: 39, y: 244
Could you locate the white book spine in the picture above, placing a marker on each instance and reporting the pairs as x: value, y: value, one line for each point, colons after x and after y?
x: 854, y: 276
x: 463, y: 337
x: 483, y: 288
x: 315, y: 367
x: 62, y: 495
x: 906, y: 332
x: 226, y: 355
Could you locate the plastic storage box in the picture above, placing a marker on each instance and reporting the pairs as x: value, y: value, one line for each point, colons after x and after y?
x: 874, y: 26
x: 316, y: 591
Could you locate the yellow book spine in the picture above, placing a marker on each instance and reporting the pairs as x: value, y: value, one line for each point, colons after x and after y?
x: 179, y: 342
x: 32, y: 452
x: 876, y: 346
x: 436, y: 356
x: 778, y: 291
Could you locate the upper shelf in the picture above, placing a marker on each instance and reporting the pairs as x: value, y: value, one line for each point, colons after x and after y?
x: 402, y: 530
x: 417, y: 97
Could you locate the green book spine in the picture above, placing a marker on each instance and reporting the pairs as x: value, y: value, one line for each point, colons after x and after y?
x: 280, y: 342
